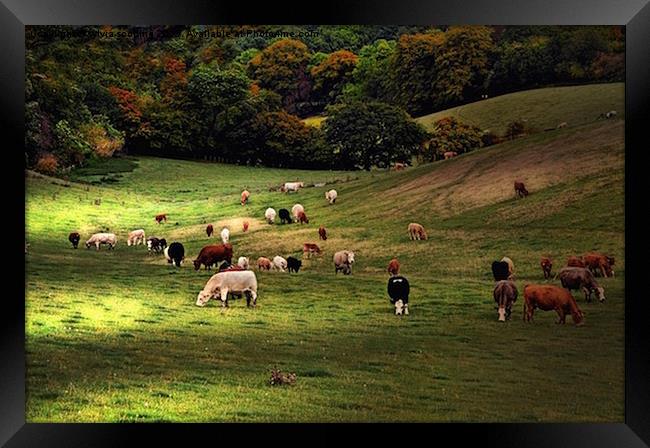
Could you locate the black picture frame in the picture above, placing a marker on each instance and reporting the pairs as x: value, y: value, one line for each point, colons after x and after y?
x: 635, y: 14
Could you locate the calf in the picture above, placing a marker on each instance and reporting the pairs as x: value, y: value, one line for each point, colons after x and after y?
x: 599, y: 263
x: 322, y: 233
x: 264, y: 264
x: 285, y: 216
x: 269, y: 214
x: 416, y: 231
x: 520, y: 189
x: 74, y: 238
x: 209, y: 230
x: 393, y: 267
x: 581, y: 278
x: 244, y: 197
x: 279, y: 263
x: 102, y: 238
x: 550, y: 297
x: 343, y: 261
x: 175, y: 254
x: 505, y: 294
x: 293, y: 264
x: 331, y: 196
x: 547, y: 265
x: 398, y: 291
x: 160, y: 218
x: 225, y: 235
x: 212, y: 254
x: 302, y: 218
x: 237, y: 282
x: 308, y: 249
x: 136, y: 237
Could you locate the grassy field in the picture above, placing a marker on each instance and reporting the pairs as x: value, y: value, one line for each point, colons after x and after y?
x: 115, y: 335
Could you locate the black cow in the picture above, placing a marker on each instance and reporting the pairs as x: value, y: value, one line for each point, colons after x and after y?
x: 175, y: 254
x: 500, y: 270
x: 285, y: 216
x: 156, y: 244
x: 74, y: 238
x: 293, y: 264
x: 398, y: 291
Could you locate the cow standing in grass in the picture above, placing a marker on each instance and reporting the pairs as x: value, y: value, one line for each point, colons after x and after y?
x: 322, y: 233
x: 417, y: 232
x: 505, y: 295
x: 225, y: 235
x: 549, y: 298
x: 160, y: 218
x: 581, y: 278
x: 331, y: 196
x: 398, y: 291
x: 209, y: 230
x: 295, y: 211
x: 264, y: 264
x: 245, y: 195
x: 520, y: 189
x: 102, y: 238
x: 393, y: 267
x: 234, y: 282
x: 74, y: 238
x: 511, y: 267
x: 285, y: 216
x: 343, y: 261
x: 308, y: 249
x: 547, y: 265
x: 269, y: 214
x: 175, y: 254
x: 136, y: 237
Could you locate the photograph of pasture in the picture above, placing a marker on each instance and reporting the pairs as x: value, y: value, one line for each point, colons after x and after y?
x: 324, y: 223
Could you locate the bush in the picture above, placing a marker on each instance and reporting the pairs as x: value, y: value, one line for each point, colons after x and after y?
x: 47, y: 164
x: 449, y: 134
x: 490, y: 138
x: 515, y: 129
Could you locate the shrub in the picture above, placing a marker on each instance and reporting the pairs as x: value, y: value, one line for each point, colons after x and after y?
x: 490, y: 138
x: 449, y: 134
x: 515, y: 129
x: 47, y: 164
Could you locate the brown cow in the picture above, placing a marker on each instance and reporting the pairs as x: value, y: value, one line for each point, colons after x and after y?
x: 547, y: 265
x: 302, y: 218
x: 550, y: 297
x: 575, y: 262
x: 161, y: 217
x: 322, y: 233
x: 505, y: 294
x: 244, y: 197
x: 450, y: 154
x: 246, y: 224
x: 309, y: 248
x: 393, y: 267
x: 212, y: 254
x: 209, y: 230
x: 520, y: 189
x: 74, y: 238
x: 599, y: 264
x: 416, y: 231
x: 264, y: 264
x: 581, y: 278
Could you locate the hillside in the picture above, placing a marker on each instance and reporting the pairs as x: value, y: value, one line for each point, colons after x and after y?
x: 115, y: 335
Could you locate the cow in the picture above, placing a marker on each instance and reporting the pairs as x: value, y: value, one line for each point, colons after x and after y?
x: 393, y: 267
x: 225, y: 235
x: 212, y: 254
x: 505, y: 295
x: 562, y: 125
x: 209, y: 230
x: 343, y: 261
x: 550, y: 297
x: 293, y: 264
x: 160, y: 218
x: 292, y: 186
x: 175, y: 254
x: 322, y: 233
x: 243, y: 263
x: 309, y: 248
x: 450, y: 154
x: 156, y: 244
x: 607, y: 115
x: 399, y: 166
x: 244, y: 197
x: 102, y: 238
x: 136, y: 237
x: 264, y: 264
x: 302, y: 218
x: 331, y: 196
x: 222, y: 283
x: 74, y: 238
x: 284, y: 216
x: 520, y: 189
x: 576, y: 262
x: 511, y: 268
x: 581, y: 278
x: 546, y: 264
x: 417, y: 232
x: 269, y: 214
x: 245, y: 226
x: 296, y: 209
x: 500, y: 270
x: 599, y: 263
x: 398, y: 291
x: 279, y: 263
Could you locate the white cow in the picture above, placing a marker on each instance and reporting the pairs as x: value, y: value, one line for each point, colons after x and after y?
x: 225, y: 235
x: 242, y: 262
x: 220, y: 284
x: 343, y: 261
x: 292, y: 186
x: 136, y: 237
x: 269, y: 214
x: 102, y: 238
x: 331, y: 196
x: 279, y: 263
x: 297, y: 209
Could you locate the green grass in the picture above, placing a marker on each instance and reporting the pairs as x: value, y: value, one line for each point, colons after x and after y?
x: 115, y: 335
x: 541, y: 108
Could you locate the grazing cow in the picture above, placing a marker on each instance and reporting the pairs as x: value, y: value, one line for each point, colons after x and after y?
x: 309, y: 248
x: 607, y: 115
x: 293, y: 264
x: 322, y: 233
x: 209, y: 230
x: 302, y: 218
x: 393, y: 267
x: 505, y: 294
x: 343, y: 261
x: 225, y: 235
x: 222, y: 283
x: 245, y: 226
x: 398, y: 291
x: 284, y: 216
x: 74, y: 238
x: 331, y: 196
x: 599, y: 263
x: 102, y: 238
x: 562, y: 125
x: 576, y: 262
x: 296, y: 209
x: 136, y: 237
x: 416, y: 232
x: 156, y: 244
x: 269, y: 214
x: 243, y: 263
x: 550, y: 297
x: 520, y: 189
x: 175, y: 254
x: 264, y: 264
x: 244, y: 197
x: 398, y: 166
x: 547, y: 265
x: 581, y: 278
x: 213, y: 254
x: 450, y: 154
x: 160, y: 218
x: 511, y: 268
x: 292, y: 186
x: 279, y: 263
x: 500, y: 270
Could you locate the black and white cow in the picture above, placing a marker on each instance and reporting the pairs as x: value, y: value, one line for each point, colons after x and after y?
x: 156, y: 244
x: 175, y: 254
x: 398, y: 291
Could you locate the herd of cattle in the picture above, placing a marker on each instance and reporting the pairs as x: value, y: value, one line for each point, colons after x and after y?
x: 239, y: 279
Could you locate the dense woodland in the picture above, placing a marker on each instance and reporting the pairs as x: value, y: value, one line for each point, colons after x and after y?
x: 192, y: 92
